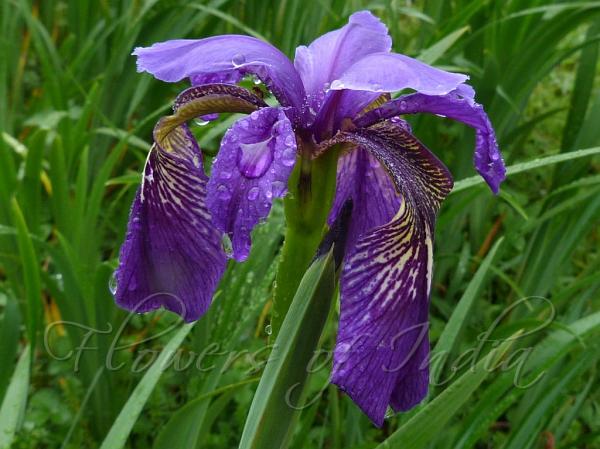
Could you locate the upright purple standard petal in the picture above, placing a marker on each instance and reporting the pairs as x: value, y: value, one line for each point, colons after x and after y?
x: 172, y: 255
x: 326, y: 58
x: 487, y: 157
x: 186, y: 58
x: 392, y: 72
x: 381, y: 351
x: 256, y: 158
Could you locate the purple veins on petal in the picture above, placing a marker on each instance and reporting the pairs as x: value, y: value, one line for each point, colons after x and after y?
x: 256, y: 158
x: 381, y: 349
x: 172, y: 255
x: 487, y: 157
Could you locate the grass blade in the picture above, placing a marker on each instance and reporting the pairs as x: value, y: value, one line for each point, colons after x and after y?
x: 120, y: 430
x: 272, y: 413
x: 459, y: 317
x: 15, y: 400
x: 436, y: 414
x: 529, y: 165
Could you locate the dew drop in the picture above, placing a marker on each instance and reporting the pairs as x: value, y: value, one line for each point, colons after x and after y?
x: 253, y: 193
x: 278, y: 188
x: 268, y: 329
x: 201, y: 122
x: 238, y: 59
x: 112, y: 284
x: 288, y: 158
x: 289, y: 141
x: 223, y: 192
x: 256, y: 81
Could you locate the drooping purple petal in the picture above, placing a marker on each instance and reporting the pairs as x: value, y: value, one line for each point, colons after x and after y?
x: 381, y: 350
x: 172, y: 255
x: 256, y: 158
x: 327, y: 57
x: 487, y: 157
x: 174, y: 60
x: 392, y: 72
x: 361, y: 178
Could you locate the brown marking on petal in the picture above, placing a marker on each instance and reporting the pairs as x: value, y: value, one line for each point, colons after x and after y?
x: 206, y: 99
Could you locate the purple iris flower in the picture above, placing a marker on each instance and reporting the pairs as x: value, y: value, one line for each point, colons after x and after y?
x: 336, y: 92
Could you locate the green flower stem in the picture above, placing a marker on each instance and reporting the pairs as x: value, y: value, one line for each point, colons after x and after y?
x: 312, y: 187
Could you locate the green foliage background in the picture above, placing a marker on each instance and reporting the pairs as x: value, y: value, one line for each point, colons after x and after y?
x: 75, y: 122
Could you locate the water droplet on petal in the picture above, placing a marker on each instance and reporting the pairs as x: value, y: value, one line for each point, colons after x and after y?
x: 223, y: 192
x: 253, y: 193
x: 238, y: 59
x: 268, y: 329
x: 201, y: 122
x: 256, y: 80
x: 288, y: 158
x: 289, y: 141
x: 112, y: 284
x: 279, y: 188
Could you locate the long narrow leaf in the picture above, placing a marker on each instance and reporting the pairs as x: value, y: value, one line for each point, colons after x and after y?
x: 15, y: 400
x: 278, y: 394
x: 120, y: 430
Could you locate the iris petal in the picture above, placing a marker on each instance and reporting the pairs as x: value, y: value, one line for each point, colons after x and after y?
x: 382, y: 347
x: 326, y: 58
x: 172, y: 255
x: 487, y: 157
x: 186, y: 58
x: 361, y: 178
x: 392, y: 72
x: 256, y: 158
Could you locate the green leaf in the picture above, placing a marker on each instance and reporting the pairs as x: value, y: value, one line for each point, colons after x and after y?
x: 9, y: 342
x: 434, y: 416
x: 121, y: 428
x: 279, y: 393
x: 13, y: 405
x: 31, y: 273
x: 459, y: 317
x: 499, y: 396
x: 433, y: 53
x: 527, y: 166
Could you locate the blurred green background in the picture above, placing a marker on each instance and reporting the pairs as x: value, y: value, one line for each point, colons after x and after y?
x: 76, y: 121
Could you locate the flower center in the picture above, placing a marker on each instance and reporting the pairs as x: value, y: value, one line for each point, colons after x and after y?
x: 255, y: 158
